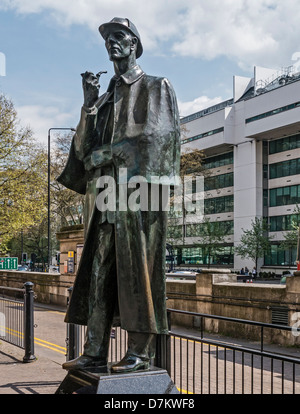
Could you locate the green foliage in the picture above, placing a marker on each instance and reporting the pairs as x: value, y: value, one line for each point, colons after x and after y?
x: 211, y: 238
x: 254, y: 242
x: 191, y: 163
x: 67, y: 206
x: 291, y: 237
x: 22, y: 176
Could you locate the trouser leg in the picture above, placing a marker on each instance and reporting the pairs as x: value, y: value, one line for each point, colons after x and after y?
x: 138, y: 353
x: 103, y: 295
x: 141, y: 344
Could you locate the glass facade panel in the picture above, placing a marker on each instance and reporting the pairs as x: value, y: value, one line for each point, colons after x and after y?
x: 197, y: 255
x: 285, y: 168
x: 283, y: 196
x: 218, y: 160
x: 280, y: 257
x: 266, y: 198
x: 284, y: 223
x: 218, y: 181
x: 199, y: 229
x: 218, y: 205
x: 274, y: 112
x: 205, y: 134
x: 284, y: 144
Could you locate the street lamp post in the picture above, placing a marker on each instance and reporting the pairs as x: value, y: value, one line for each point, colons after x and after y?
x: 49, y: 233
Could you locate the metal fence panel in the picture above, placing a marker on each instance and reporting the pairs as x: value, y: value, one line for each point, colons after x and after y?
x: 17, y: 318
x: 198, y: 365
x: 12, y: 321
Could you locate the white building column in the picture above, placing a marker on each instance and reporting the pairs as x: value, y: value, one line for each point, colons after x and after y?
x: 248, y: 192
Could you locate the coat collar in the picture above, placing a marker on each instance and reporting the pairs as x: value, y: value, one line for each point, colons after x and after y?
x: 129, y: 77
x: 132, y: 75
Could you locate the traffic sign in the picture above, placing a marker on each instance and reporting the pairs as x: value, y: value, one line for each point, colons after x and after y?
x: 8, y: 263
x: 71, y: 262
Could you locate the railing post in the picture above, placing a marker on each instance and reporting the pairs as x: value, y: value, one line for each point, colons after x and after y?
x: 28, y: 323
x: 163, y: 349
x: 72, y: 340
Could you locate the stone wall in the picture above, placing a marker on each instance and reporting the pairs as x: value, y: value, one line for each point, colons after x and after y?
x: 220, y: 294
x: 210, y: 294
x: 49, y: 288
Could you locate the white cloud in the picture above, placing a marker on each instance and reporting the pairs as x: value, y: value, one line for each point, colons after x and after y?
x: 203, y: 102
x: 41, y: 118
x: 248, y: 32
x: 263, y: 32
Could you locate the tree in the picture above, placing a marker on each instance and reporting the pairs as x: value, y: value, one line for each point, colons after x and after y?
x: 212, y: 238
x: 22, y: 177
x: 291, y: 237
x: 67, y: 206
x: 255, y: 242
x: 191, y: 168
x: 192, y: 171
x: 32, y: 240
x: 191, y: 163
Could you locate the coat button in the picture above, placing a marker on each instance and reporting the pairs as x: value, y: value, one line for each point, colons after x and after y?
x: 119, y: 83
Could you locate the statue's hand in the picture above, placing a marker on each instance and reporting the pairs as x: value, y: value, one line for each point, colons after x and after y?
x: 91, y: 86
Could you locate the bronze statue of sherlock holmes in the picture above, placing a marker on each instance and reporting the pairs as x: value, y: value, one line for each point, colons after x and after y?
x: 132, y: 128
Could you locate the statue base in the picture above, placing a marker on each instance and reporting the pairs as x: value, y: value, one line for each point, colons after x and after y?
x: 152, y: 381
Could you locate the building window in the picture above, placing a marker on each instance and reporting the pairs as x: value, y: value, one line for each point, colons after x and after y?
x: 284, y: 196
x: 284, y: 144
x: 283, y: 223
x: 206, y: 111
x: 218, y: 161
x: 197, y: 255
x: 174, y: 232
x: 218, y: 181
x: 198, y: 229
x: 285, y: 168
x: 266, y: 198
x: 274, y: 112
x: 280, y: 257
x: 219, y: 205
x: 203, y: 135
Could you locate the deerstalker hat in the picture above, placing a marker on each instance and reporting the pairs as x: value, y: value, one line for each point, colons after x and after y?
x: 119, y: 22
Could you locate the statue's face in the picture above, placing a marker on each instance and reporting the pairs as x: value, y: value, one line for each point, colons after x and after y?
x: 120, y: 44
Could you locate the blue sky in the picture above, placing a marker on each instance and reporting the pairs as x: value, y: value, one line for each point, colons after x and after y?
x: 198, y: 45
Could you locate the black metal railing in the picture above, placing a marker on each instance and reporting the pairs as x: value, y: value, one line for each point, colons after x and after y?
x: 76, y: 337
x: 17, y: 318
x: 213, y: 365
x: 208, y: 365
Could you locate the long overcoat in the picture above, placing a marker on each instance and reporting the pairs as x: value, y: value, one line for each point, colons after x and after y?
x: 145, y: 140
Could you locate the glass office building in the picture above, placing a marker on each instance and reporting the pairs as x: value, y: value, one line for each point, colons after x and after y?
x: 251, y: 147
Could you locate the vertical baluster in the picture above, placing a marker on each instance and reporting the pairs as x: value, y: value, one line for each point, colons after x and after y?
x: 225, y: 370
x: 217, y: 369
x: 208, y: 368
x: 194, y: 365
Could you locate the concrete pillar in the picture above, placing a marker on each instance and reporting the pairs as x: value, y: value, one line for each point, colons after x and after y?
x: 248, y: 191
x: 71, y: 239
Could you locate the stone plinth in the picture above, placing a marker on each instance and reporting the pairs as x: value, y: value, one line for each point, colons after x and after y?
x: 152, y: 381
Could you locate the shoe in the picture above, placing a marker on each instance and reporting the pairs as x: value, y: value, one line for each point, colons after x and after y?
x: 130, y: 363
x: 84, y: 362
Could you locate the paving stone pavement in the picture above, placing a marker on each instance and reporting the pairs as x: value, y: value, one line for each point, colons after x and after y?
x: 42, y: 376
